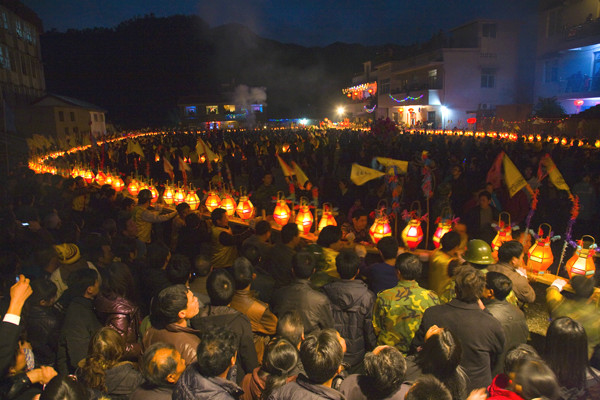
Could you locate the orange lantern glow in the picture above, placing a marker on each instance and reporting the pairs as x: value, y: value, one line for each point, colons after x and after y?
x: 118, y: 184
x: 154, y: 192
x: 412, y: 234
x: 88, y: 176
x: 304, y: 218
x: 245, y: 208
x: 582, y: 262
x: 380, y: 228
x: 327, y: 218
x: 192, y: 200
x: 169, y: 195
x: 179, y: 197
x: 228, y: 204
x: 540, y: 256
x: 444, y: 226
x: 133, y: 188
x: 504, y: 234
x: 100, y: 178
x: 109, y: 179
x: 281, y: 214
x: 212, y: 201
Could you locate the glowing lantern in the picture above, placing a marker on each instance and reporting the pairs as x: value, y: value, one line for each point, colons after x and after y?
x: 281, y: 214
x: 169, y: 195
x: 563, y: 141
x: 179, y: 197
x: 540, y: 256
x: 118, y: 184
x: 212, y: 201
x: 444, y: 226
x: 154, y: 192
x: 201, y: 160
x: 228, y: 204
x: 133, y: 188
x: 108, y: 180
x: 471, y: 120
x: 380, y: 228
x: 412, y: 234
x: 192, y: 200
x: 88, y: 176
x: 245, y: 208
x: 556, y: 140
x: 597, y: 144
x: 304, y: 218
x: 504, y: 234
x: 578, y: 103
x: 327, y: 218
x: 100, y: 178
x: 582, y: 262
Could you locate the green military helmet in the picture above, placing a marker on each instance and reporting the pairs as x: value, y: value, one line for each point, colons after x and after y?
x: 479, y: 252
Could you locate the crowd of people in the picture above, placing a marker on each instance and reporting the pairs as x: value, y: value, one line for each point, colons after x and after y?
x: 109, y: 296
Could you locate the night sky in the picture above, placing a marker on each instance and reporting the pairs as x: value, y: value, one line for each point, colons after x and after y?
x: 308, y: 23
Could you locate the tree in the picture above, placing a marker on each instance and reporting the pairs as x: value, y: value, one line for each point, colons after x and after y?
x: 548, y: 107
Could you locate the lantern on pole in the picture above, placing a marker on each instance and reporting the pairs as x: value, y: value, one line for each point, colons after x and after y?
x: 327, y: 218
x: 582, y: 262
x: 109, y: 179
x: 304, y: 218
x: 444, y: 226
x: 381, y: 227
x: 192, y: 199
x: 245, y: 208
x: 504, y: 234
x: 281, y: 214
x: 179, y: 196
x: 118, y: 184
x: 169, y: 195
x: 412, y: 234
x: 228, y: 204
x: 100, y: 178
x: 540, y: 256
x: 154, y: 192
x: 133, y: 188
x: 88, y: 176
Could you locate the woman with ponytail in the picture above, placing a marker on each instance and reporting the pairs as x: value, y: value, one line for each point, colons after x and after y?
x: 103, y: 372
x: 279, y: 360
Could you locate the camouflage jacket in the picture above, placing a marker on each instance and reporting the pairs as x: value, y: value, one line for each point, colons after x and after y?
x: 398, y: 313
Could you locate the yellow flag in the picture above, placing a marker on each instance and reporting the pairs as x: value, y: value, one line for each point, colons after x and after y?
x: 555, y: 176
x: 300, y: 175
x: 202, y: 148
x: 513, y: 178
x: 360, y: 175
x: 287, y: 170
x: 134, y: 147
x: 401, y: 166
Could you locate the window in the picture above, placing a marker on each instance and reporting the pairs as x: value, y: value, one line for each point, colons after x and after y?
x: 212, y: 110
x: 488, y: 30
x: 27, y: 33
x: 4, y: 20
x: 72, y: 116
x: 19, y: 28
x: 101, y: 117
x: 230, y: 108
x: 13, y: 65
x: 551, y: 71
x: 4, y: 60
x: 61, y: 116
x: 66, y: 130
x: 95, y: 117
x: 75, y: 129
x: 190, y: 111
x: 488, y: 78
x: 23, y: 65
x: 554, y: 22
x: 33, y: 69
x: 257, y: 108
x: 385, y: 86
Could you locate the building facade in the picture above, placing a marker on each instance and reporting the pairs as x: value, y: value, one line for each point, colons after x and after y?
x: 199, y: 112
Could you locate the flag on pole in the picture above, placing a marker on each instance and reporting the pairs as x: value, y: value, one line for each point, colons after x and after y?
x: 287, y: 170
x: 401, y: 166
x: 513, y: 178
x: 360, y: 175
x: 184, y: 168
x: 134, y: 147
x: 168, y: 167
x: 203, y: 148
x: 300, y: 175
x: 554, y: 174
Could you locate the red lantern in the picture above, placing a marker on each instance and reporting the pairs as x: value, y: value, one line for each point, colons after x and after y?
x: 540, y: 256
x: 228, y: 204
x: 245, y: 208
x: 109, y: 179
x: 578, y: 103
x: 471, y: 120
x: 154, y: 192
x: 100, y: 178
x: 504, y: 234
x: 212, y: 201
x: 412, y: 234
x: 582, y: 262
x: 327, y: 219
x: 192, y: 200
x: 304, y: 218
x: 380, y: 228
x: 133, y: 188
x: 118, y: 184
x: 169, y: 195
x: 281, y: 214
x: 179, y: 197
x: 88, y: 176
x: 443, y: 227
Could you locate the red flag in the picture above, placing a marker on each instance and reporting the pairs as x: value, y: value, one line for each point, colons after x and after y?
x: 183, y: 167
x: 494, y: 175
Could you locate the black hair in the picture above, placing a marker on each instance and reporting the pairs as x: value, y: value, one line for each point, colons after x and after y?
x: 303, y: 265
x: 242, y: 273
x: 289, y: 232
x: 386, y: 371
x: 329, y: 235
x: 359, y: 212
x: 499, y: 283
x: 144, y: 196
x: 192, y: 221
x: 251, y: 252
x: 536, y: 381
x: 508, y: 250
x: 179, y: 269
x: 280, y: 358
x: 217, y: 214
x: 128, y: 202
x: 409, y: 266
x: 486, y: 194
x: 583, y: 286
x: 388, y: 246
x: 154, y: 372
x: 166, y: 305
x: 469, y: 284
x: 220, y: 287
x: 157, y: 254
x: 290, y: 327
x: 449, y: 241
x: 181, y: 207
x: 518, y: 355
x: 321, y: 354
x: 118, y: 280
x: 347, y: 263
x: 262, y: 227
x: 215, y: 351
x: 202, y: 265
x: 80, y: 280
x: 43, y: 290
x: 64, y: 387
x: 428, y: 387
x: 124, y: 248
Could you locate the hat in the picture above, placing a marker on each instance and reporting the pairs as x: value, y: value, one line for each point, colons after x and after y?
x: 583, y: 286
x: 68, y: 253
x: 479, y: 252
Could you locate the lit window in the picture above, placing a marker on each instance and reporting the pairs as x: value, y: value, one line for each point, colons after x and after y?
x: 212, y: 109
x: 229, y: 108
x: 4, y: 60
x: 257, y: 108
x: 19, y: 28
x: 190, y: 110
x: 4, y: 20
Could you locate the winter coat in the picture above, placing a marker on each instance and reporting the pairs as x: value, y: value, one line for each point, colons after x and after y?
x: 253, y: 384
x: 360, y: 387
x: 352, y: 304
x: 193, y: 386
x: 303, y: 389
x: 184, y: 339
x: 498, y: 389
x: 121, y: 381
x: 43, y: 329
x: 124, y: 317
x: 159, y: 393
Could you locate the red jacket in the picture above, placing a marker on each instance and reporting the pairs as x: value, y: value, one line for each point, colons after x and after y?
x: 498, y: 389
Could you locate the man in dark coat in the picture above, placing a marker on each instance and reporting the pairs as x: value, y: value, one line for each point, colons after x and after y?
x: 479, y: 219
x: 161, y: 365
x: 313, y: 306
x: 278, y: 261
x: 480, y: 334
x: 352, y: 304
x: 510, y: 264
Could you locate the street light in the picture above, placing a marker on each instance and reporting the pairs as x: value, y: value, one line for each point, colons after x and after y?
x: 444, y: 111
x: 341, y: 110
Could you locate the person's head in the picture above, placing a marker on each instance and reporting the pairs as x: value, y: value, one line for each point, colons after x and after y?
x: 518, y: 355
x: 179, y: 270
x: 479, y: 253
x: 388, y: 247
x: 347, y: 263
x: 202, y: 266
x: 127, y: 226
x: 583, y: 286
x: 497, y: 286
x: 360, y: 219
x: 220, y: 287
x: 173, y: 304
x: 117, y: 280
x: 408, y: 266
x: 183, y: 209
x: 96, y: 248
x: 455, y: 171
x: 84, y: 282
x: 64, y: 387
x: 243, y: 273
x: 157, y: 255
x: 303, y: 265
x: 219, y: 217
x: 192, y: 221
x: 290, y: 327
x: 386, y: 367
x: 128, y: 204
x: 450, y: 242
x: 263, y: 228
x: 469, y: 284
x: 251, y: 252
x: 330, y: 237
x: 428, y: 387
x: 485, y: 198
x: 216, y: 352
x: 44, y: 292
x: 511, y: 252
x: 267, y: 179
x: 280, y: 358
x: 162, y: 365
x: 535, y: 380
x: 441, y: 353
x: 68, y: 253
x: 104, y: 351
x: 567, y: 352
x: 290, y: 234
x: 321, y: 354
x: 144, y: 197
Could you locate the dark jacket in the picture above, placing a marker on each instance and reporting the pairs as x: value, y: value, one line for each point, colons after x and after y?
x: 222, y: 317
x: 121, y: 381
x: 520, y: 284
x: 480, y: 334
x: 193, y: 386
x: 360, y: 387
x: 184, y: 339
x: 43, y: 330
x: 381, y: 276
x: 303, y: 389
x: 159, y: 393
x: 124, y: 317
x: 313, y: 306
x: 352, y: 305
x: 9, y: 339
x: 78, y: 328
x: 474, y: 228
x: 278, y: 263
